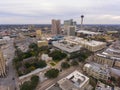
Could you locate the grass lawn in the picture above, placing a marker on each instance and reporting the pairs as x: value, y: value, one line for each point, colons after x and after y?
x: 52, y: 63
x: 56, y: 61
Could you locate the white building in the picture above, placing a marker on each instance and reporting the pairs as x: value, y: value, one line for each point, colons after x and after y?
x: 45, y: 57
x: 66, y: 46
x: 102, y: 86
x: 87, y: 33
x: 97, y: 71
x: 91, y: 45
x: 74, y: 81
x: 111, y: 56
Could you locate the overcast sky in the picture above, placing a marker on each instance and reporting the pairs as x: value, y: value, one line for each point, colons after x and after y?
x: 42, y: 11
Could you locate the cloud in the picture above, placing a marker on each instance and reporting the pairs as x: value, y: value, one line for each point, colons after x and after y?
x: 105, y: 11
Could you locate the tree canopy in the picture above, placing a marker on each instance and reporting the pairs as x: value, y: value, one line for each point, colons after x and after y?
x: 74, y: 63
x: 52, y: 73
x: 57, y: 55
x: 65, y: 65
x: 30, y: 85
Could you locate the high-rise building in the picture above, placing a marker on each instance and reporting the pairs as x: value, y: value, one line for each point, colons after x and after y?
x: 71, y: 30
x: 69, y: 26
x: 56, y: 27
x: 2, y: 65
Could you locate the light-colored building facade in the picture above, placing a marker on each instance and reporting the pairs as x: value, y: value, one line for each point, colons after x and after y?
x: 2, y: 65
x: 97, y: 71
x: 46, y: 58
x: 56, y: 27
x: 70, y: 27
x: 101, y: 86
x: 38, y: 34
x: 71, y: 30
x: 110, y: 57
x: 74, y: 81
x: 102, y: 59
x: 87, y: 33
x: 91, y: 45
x: 42, y: 43
x: 66, y: 46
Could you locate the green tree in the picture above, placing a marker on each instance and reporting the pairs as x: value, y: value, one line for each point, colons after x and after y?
x: 31, y: 68
x: 26, y: 86
x: 44, y: 48
x: 118, y: 81
x: 33, y: 46
x: 30, y: 85
x: 65, y: 65
x: 27, y: 65
x: 40, y: 64
x: 52, y: 73
x: 93, y: 82
x: 19, y: 54
x: 57, y: 55
x: 34, y: 81
x: 27, y: 54
x: 74, y: 63
x: 18, y: 65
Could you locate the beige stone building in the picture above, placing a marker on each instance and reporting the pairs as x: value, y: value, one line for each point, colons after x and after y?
x: 91, y: 45
x: 38, y: 34
x: 97, y: 71
x: 74, y: 81
x: 110, y: 57
x: 104, y: 60
x: 2, y: 65
x: 42, y: 43
x: 117, y: 63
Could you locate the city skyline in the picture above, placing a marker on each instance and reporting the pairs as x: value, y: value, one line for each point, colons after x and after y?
x: 42, y: 12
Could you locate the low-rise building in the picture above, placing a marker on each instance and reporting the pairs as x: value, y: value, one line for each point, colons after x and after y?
x: 66, y: 46
x: 2, y: 42
x: 111, y: 56
x: 74, y: 81
x: 28, y: 76
x: 45, y: 57
x: 91, y: 45
x: 42, y: 43
x: 97, y: 71
x: 103, y: 59
x: 101, y: 86
x: 3, y: 72
x: 87, y: 33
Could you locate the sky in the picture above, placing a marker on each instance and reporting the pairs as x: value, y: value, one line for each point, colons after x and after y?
x: 42, y: 11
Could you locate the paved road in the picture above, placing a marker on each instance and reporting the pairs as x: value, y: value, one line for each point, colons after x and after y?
x: 49, y: 82
x: 9, y: 81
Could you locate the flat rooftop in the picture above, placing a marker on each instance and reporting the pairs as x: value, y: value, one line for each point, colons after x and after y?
x: 79, y: 40
x: 73, y: 81
x: 108, y: 56
x: 98, y: 68
x: 102, y: 86
x: 88, y: 32
x: 66, y: 46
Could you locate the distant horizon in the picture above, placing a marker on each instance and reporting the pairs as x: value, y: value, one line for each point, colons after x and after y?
x: 61, y: 24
